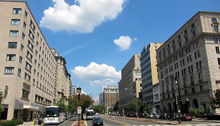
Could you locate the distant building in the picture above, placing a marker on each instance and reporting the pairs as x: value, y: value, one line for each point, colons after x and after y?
x: 101, y: 101
x: 149, y: 71
x: 110, y: 96
x: 156, y: 97
x: 63, y: 80
x: 189, y: 63
x: 130, y: 83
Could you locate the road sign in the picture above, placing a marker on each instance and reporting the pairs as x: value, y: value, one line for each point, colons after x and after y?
x: 79, y: 110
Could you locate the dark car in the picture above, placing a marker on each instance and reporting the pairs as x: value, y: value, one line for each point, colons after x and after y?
x: 97, y: 121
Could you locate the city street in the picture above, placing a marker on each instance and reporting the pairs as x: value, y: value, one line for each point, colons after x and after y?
x: 125, y: 121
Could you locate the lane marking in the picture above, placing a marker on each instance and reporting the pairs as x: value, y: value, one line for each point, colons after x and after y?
x: 85, y: 122
x: 117, y: 121
x: 73, y: 123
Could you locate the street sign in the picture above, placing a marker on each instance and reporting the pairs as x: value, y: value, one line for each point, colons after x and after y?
x: 79, y: 110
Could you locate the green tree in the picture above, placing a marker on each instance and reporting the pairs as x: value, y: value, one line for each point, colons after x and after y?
x: 216, y: 100
x: 116, y: 107
x: 72, y: 104
x: 134, y: 105
x: 148, y: 108
x: 99, y: 108
x: 61, y: 104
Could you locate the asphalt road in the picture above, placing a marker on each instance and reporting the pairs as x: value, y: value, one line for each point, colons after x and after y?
x: 119, y: 121
x: 115, y: 121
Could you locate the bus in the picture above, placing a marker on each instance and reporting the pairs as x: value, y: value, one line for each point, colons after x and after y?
x: 90, y: 114
x: 53, y: 115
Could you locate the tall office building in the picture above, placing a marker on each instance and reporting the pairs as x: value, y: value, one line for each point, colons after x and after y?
x: 189, y: 64
x: 101, y: 99
x: 28, y: 67
x: 110, y: 96
x: 130, y: 83
x: 149, y: 71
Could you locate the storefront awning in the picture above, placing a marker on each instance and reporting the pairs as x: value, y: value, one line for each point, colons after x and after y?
x: 30, y: 107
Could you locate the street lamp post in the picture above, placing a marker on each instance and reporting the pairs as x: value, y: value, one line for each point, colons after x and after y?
x: 177, y: 101
x: 78, y: 91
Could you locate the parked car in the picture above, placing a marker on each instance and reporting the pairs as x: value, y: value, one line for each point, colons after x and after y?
x: 97, y: 121
x: 186, y: 117
x: 163, y: 116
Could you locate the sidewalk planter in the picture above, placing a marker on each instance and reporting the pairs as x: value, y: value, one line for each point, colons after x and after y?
x: 11, y: 122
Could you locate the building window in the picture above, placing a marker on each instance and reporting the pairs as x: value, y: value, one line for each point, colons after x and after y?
x: 28, y: 67
x: 25, y: 13
x: 27, y: 77
x: 16, y: 11
x: 25, y: 91
x: 217, y: 82
x: 29, y: 56
x: 24, y: 25
x: 15, y: 21
x: 19, y: 72
x: 217, y: 50
x: 9, y: 70
x: 30, y: 46
x: 214, y: 20
x: 12, y: 45
x: 193, y: 90
x: 22, y: 47
x: 23, y: 36
x: 216, y: 40
x: 10, y: 57
x: 218, y: 61
x: 20, y: 59
x: 6, y: 91
x: 13, y: 33
x: 215, y: 27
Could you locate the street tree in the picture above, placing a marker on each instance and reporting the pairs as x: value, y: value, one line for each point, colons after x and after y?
x: 99, y: 108
x: 216, y: 100
x: 134, y: 105
x: 116, y: 107
x: 61, y: 104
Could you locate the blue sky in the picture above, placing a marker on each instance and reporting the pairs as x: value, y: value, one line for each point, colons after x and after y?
x: 98, y: 37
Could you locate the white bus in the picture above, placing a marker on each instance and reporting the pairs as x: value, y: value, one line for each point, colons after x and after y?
x: 53, y: 115
x: 90, y: 114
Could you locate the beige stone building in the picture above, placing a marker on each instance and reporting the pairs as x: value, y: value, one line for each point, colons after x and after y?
x: 28, y: 67
x: 149, y: 73
x: 63, y: 79
x: 130, y: 83
x: 110, y: 96
x: 189, y: 63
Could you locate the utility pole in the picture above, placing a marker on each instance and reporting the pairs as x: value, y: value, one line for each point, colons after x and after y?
x: 177, y: 101
x: 79, y: 110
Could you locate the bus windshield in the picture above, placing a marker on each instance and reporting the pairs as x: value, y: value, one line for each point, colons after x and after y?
x: 52, y: 112
x: 90, y: 114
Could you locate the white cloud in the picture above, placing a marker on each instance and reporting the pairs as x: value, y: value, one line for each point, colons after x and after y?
x: 81, y: 17
x: 124, y: 42
x: 97, y: 74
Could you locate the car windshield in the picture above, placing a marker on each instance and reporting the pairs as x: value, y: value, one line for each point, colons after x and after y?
x: 52, y: 112
x: 97, y: 119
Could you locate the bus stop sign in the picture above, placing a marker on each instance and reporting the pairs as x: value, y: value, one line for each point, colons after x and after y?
x: 79, y: 110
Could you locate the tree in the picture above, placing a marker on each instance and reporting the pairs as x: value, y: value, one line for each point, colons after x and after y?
x: 216, y: 100
x: 116, y: 107
x: 61, y: 104
x: 134, y: 105
x: 99, y: 108
x: 85, y: 102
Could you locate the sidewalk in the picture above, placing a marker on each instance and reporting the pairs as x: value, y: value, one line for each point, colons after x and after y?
x: 206, y: 120
x: 154, y: 120
x: 27, y: 124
